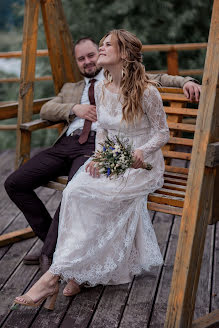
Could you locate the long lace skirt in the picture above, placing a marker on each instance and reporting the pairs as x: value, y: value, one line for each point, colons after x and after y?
x: 105, y: 232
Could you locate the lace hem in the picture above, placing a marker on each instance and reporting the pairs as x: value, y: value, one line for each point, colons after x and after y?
x: 113, y: 279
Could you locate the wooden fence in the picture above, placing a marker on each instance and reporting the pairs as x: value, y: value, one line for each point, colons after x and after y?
x: 9, y: 110
x: 171, y: 56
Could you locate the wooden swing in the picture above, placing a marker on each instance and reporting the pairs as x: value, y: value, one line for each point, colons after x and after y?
x: 191, y: 192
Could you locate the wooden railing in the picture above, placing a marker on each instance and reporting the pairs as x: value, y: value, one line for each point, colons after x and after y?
x: 172, y: 56
x: 9, y: 110
x: 170, y: 49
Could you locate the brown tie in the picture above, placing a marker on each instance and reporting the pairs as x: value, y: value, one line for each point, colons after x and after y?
x: 87, y: 124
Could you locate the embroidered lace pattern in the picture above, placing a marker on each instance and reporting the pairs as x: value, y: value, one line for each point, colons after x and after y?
x: 105, y: 231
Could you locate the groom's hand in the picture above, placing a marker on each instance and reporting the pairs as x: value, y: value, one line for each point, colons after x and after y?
x: 85, y: 111
x: 192, y: 90
x: 92, y: 169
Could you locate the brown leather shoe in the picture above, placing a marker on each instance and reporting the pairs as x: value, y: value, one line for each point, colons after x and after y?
x: 45, y: 263
x: 33, y: 258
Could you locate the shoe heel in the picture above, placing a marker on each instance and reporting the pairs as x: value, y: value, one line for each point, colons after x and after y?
x: 50, y: 302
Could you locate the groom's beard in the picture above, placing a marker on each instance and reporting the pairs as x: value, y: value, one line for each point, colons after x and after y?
x: 92, y: 74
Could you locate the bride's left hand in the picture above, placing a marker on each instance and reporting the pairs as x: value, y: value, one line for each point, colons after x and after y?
x: 139, y: 159
x: 92, y: 169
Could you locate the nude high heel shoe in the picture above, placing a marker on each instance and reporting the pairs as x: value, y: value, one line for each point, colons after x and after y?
x: 27, y: 300
x: 71, y: 289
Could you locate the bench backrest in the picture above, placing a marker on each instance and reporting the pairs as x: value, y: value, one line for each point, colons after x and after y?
x: 181, y: 118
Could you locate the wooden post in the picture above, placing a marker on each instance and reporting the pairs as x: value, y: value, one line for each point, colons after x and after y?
x: 172, y: 62
x: 60, y: 44
x: 199, y: 192
x: 25, y: 102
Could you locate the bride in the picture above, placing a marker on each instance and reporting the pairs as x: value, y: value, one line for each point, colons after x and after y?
x: 105, y: 232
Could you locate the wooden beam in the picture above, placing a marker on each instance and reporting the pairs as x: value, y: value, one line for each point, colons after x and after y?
x: 164, y: 208
x: 181, y: 182
x: 210, y: 320
x: 179, y: 46
x: 176, y: 154
x: 198, y: 200
x: 214, y: 217
x: 60, y: 44
x: 11, y: 110
x: 180, y: 141
x: 181, y: 176
x: 8, y: 127
x: 176, y: 169
x: 212, y: 159
x: 170, y: 192
x: 37, y: 125
x: 18, y: 54
x: 16, y: 79
x: 181, y: 126
x: 167, y: 200
x: 25, y: 103
x: 171, y: 90
x: 16, y: 236
x: 172, y: 62
x: 181, y: 111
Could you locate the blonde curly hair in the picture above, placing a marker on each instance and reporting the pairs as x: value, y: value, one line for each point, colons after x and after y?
x: 134, y: 78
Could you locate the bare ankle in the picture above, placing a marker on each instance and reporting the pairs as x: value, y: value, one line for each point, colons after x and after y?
x: 50, y: 279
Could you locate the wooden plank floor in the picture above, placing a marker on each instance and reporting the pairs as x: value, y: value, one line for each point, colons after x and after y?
x: 141, y: 303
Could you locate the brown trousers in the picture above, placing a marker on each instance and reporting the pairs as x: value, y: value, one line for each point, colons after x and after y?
x: 64, y: 158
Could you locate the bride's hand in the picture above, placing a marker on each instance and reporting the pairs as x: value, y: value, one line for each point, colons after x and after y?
x: 139, y: 159
x: 92, y: 169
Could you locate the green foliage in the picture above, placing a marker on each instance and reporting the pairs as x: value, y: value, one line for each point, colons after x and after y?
x: 169, y: 21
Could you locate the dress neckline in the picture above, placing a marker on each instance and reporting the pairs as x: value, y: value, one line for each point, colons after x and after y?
x: 114, y: 93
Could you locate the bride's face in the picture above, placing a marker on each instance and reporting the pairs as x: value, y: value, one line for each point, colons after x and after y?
x: 109, y: 53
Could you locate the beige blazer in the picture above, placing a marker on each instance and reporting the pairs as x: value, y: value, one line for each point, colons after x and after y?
x: 59, y: 108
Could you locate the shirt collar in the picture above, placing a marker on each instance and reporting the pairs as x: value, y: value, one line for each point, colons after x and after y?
x: 98, y: 77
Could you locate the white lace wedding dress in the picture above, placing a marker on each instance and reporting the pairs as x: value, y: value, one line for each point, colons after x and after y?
x: 105, y: 232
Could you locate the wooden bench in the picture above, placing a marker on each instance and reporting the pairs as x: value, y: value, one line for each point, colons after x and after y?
x: 177, y: 153
x: 181, y: 121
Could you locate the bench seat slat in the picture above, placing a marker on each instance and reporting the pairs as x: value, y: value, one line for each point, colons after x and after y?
x: 173, y: 97
x: 176, y: 154
x: 55, y: 185
x: 175, y: 175
x: 174, y: 181
x: 170, y: 192
x: 173, y: 186
x: 181, y: 126
x: 164, y: 208
x: 176, y: 169
x: 181, y: 111
x: 168, y: 200
x: 181, y: 141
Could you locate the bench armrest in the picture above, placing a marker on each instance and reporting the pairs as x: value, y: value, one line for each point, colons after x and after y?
x: 37, y: 125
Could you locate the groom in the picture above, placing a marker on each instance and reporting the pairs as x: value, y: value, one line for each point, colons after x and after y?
x: 77, y: 142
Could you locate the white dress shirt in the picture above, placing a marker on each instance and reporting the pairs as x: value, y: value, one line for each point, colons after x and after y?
x: 78, y: 122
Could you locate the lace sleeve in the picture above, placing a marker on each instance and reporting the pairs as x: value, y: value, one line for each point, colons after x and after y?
x: 153, y: 108
x: 100, y: 137
x: 101, y: 133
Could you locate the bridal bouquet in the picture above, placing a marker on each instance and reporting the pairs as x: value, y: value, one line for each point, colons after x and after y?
x: 115, y: 157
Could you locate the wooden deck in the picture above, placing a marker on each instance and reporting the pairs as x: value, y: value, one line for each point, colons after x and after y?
x: 141, y: 303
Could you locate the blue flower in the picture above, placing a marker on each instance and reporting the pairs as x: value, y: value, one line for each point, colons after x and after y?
x: 111, y: 148
x: 108, y: 171
x: 104, y: 148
